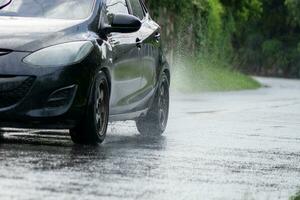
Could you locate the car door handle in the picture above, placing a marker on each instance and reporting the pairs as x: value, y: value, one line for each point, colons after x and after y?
x: 138, y: 43
x: 113, y: 42
x: 157, y: 36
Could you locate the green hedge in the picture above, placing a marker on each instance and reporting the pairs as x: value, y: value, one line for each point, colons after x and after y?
x: 255, y: 36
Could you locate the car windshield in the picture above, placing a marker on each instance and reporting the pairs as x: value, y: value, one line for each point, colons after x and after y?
x: 53, y: 9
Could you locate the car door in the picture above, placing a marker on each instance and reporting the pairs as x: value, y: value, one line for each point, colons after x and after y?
x: 126, y: 70
x: 150, y: 37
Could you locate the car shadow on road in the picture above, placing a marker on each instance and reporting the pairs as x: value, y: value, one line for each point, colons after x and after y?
x: 45, y: 140
x: 54, y: 151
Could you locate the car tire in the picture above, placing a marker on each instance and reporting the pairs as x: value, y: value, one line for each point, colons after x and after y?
x: 93, y: 128
x: 156, y: 119
x: 1, y: 134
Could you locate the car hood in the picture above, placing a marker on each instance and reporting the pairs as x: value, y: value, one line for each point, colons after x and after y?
x: 30, y: 34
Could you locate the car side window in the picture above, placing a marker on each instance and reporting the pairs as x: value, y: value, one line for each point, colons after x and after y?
x: 137, y: 9
x: 117, y: 7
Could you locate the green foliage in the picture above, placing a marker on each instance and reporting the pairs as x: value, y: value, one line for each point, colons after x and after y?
x: 214, y: 22
x: 271, y: 47
x: 244, y: 12
x: 293, y: 7
x: 254, y: 36
x: 295, y: 197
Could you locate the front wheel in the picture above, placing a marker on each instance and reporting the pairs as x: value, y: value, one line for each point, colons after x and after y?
x: 155, y: 122
x: 93, y: 128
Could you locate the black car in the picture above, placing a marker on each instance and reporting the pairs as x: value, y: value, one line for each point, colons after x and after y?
x: 74, y: 64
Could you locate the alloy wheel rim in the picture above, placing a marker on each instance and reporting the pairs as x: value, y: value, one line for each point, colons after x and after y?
x: 101, y: 111
x: 163, y: 104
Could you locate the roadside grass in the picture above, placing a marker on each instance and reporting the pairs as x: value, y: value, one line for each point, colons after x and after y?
x: 194, y: 76
x: 295, y: 197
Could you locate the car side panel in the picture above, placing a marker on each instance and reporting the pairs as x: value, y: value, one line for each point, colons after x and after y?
x: 150, y: 55
x: 126, y: 73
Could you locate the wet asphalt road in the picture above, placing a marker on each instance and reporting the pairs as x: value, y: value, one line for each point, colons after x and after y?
x: 235, y: 145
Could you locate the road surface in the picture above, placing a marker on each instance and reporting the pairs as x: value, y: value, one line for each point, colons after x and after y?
x: 233, y: 145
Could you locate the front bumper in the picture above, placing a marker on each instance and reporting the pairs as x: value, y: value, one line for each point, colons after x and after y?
x: 39, y: 97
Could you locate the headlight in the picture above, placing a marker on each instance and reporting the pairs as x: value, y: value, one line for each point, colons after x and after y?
x: 60, y: 55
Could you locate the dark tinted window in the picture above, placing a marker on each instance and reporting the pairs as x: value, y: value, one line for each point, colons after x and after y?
x: 117, y: 7
x: 56, y: 9
x: 137, y: 8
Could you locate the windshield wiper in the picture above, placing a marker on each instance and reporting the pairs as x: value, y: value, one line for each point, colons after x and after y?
x: 3, y: 5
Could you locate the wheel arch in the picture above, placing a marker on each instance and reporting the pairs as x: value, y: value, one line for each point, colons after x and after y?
x: 106, y: 72
x: 164, y: 67
x: 168, y: 73
x: 108, y: 76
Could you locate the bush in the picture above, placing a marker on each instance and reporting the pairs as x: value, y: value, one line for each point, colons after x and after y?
x: 256, y: 36
x: 271, y: 48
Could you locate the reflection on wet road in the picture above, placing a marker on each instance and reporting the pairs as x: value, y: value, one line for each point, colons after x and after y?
x: 236, y: 145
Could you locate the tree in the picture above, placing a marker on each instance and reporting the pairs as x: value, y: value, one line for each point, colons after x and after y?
x: 294, y: 14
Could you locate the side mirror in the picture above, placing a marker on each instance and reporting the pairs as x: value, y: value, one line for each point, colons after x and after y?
x: 120, y: 23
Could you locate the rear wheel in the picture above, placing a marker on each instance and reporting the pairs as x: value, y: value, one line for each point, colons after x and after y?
x: 93, y: 128
x: 155, y: 122
x: 1, y: 134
